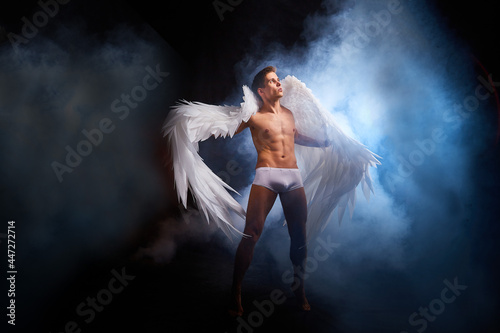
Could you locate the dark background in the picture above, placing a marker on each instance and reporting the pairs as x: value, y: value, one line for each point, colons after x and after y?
x: 189, y: 293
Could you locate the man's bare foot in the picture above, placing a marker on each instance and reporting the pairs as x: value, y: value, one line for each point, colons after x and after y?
x: 235, y: 308
x: 305, y: 305
x: 300, y: 295
x: 235, y: 313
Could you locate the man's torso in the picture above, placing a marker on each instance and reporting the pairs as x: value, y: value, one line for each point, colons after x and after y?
x: 274, y: 136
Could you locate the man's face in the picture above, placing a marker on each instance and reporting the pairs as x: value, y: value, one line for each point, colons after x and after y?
x: 272, y: 88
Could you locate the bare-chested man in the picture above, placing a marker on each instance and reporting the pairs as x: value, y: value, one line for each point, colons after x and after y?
x: 274, y: 135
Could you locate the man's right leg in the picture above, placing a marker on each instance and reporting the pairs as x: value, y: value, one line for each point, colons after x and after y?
x: 294, y: 205
x: 260, y: 202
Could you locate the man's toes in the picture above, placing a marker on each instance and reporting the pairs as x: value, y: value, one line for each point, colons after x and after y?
x: 235, y: 313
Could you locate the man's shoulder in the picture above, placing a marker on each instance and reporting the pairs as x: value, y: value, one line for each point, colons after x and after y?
x: 286, y: 110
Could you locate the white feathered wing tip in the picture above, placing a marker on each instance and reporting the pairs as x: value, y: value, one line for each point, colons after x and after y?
x: 330, y: 174
x: 189, y: 123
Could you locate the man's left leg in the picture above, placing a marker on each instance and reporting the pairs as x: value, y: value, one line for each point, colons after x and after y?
x: 294, y: 205
x: 260, y: 202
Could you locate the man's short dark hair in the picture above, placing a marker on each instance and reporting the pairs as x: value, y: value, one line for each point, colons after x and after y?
x: 259, y: 81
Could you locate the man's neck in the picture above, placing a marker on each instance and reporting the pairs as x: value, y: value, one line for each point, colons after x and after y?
x: 271, y: 106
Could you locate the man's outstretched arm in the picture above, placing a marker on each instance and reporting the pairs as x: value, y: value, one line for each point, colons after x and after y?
x: 242, y: 126
x: 309, y: 142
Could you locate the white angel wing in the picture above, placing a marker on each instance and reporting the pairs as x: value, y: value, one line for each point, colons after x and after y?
x: 186, y: 125
x: 330, y: 174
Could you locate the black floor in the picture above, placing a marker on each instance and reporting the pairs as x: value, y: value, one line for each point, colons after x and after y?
x: 190, y: 294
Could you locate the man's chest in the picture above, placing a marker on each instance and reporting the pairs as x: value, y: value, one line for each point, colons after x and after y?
x: 269, y: 125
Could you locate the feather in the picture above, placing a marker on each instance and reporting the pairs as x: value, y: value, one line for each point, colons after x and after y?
x: 332, y: 174
x: 186, y: 125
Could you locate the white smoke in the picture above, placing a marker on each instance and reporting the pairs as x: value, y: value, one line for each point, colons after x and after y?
x: 391, y: 75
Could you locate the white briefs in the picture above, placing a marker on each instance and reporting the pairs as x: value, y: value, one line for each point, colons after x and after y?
x: 278, y: 180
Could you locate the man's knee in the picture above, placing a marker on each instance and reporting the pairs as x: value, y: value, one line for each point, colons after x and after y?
x: 254, y: 236
x: 253, y: 233
x: 298, y: 235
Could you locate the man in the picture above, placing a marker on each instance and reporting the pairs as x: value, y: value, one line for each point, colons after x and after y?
x: 274, y: 135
